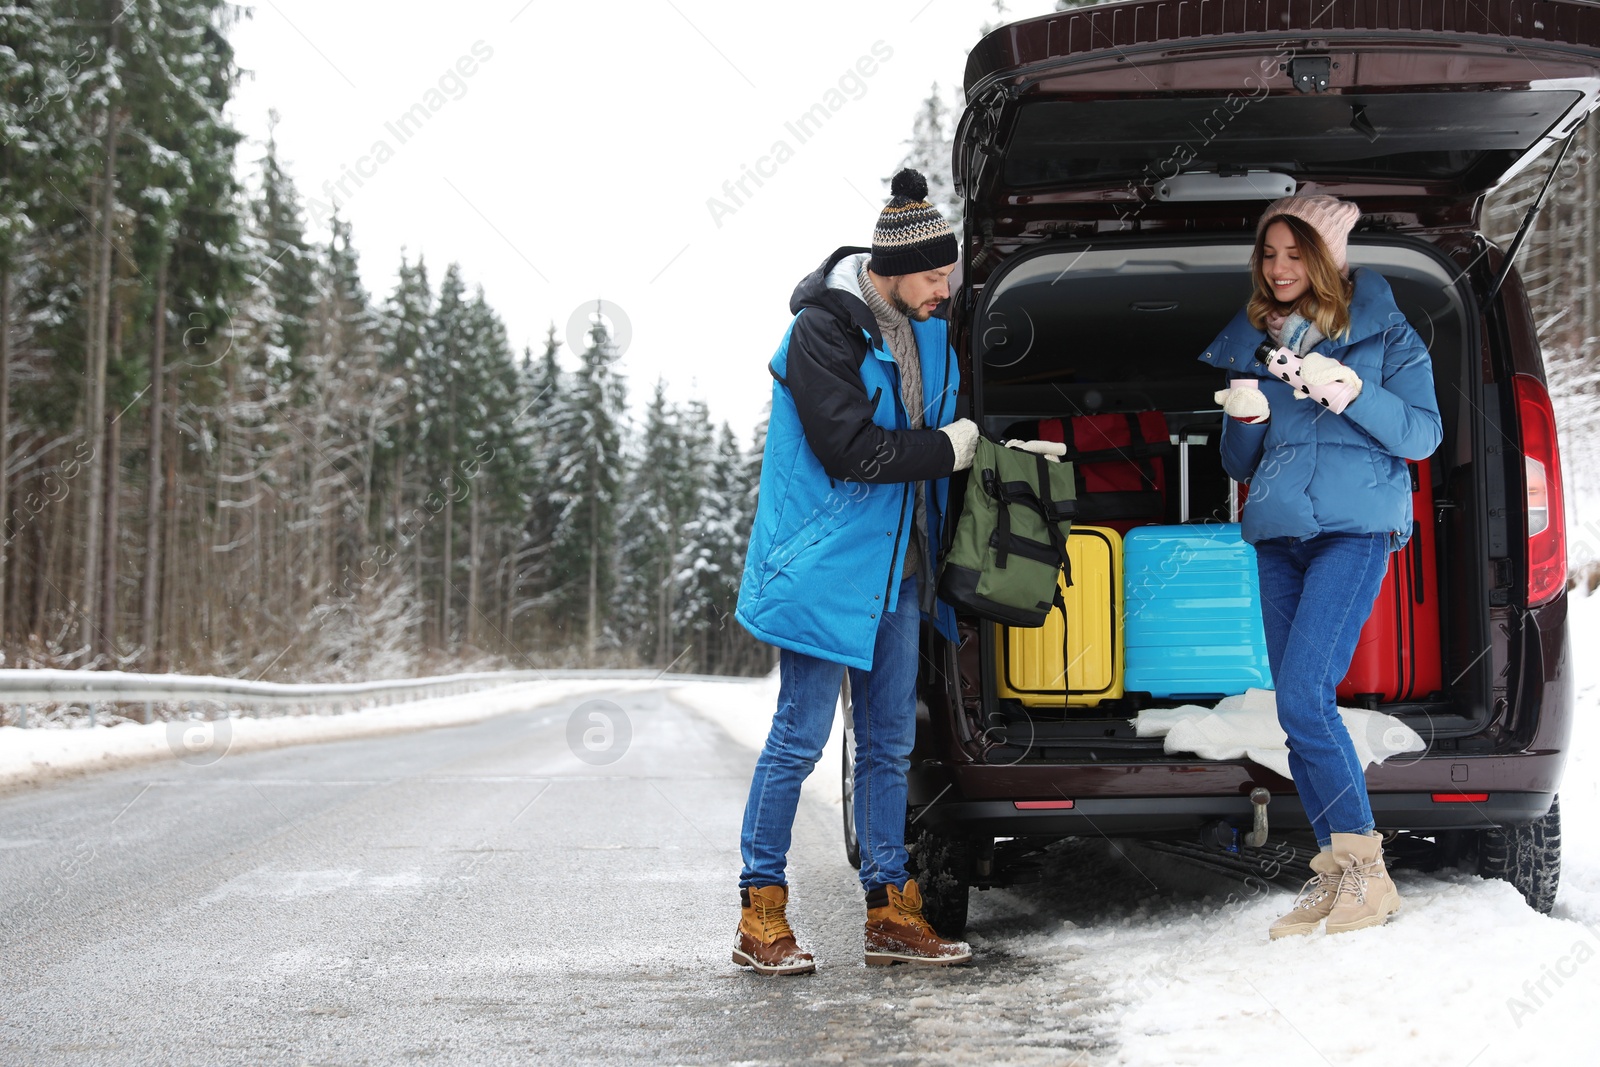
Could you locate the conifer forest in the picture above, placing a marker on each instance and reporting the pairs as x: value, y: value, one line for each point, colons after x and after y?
x: 222, y: 455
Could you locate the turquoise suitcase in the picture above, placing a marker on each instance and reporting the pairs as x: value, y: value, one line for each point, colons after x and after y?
x: 1192, y: 603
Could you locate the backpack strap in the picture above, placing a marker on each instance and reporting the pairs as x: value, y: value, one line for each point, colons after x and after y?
x: 1054, y: 515
x: 1053, y: 512
x: 1066, y: 647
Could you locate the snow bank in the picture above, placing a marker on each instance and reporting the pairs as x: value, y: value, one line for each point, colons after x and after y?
x: 1465, y: 974
x: 29, y: 756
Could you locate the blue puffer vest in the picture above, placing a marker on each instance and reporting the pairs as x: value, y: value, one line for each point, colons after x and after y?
x: 1311, y: 471
x: 824, y: 553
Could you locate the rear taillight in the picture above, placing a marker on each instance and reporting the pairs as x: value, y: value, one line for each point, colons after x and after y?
x: 1541, y: 463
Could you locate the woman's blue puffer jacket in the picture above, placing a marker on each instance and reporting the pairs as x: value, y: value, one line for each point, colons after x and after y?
x: 1311, y: 471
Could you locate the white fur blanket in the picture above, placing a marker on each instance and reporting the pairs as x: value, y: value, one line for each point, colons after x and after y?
x: 1247, y: 726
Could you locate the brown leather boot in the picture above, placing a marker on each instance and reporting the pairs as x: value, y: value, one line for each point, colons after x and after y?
x: 1316, y: 899
x: 765, y: 942
x: 897, y: 932
x: 1367, y: 896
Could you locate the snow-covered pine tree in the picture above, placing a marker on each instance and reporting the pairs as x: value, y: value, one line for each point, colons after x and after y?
x: 193, y: 267
x: 752, y: 656
x: 46, y: 157
x: 491, y: 464
x: 697, y: 457
x: 261, y: 404
x: 649, y: 528
x: 403, y: 353
x: 279, y: 221
x: 928, y: 150
x: 440, y: 394
x: 543, y: 390
x: 585, y: 489
x: 711, y: 562
x: 112, y: 121
x: 353, y: 404
x: 106, y: 107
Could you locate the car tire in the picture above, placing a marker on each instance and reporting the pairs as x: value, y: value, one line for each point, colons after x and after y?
x: 852, y: 846
x: 942, y: 866
x: 1528, y: 856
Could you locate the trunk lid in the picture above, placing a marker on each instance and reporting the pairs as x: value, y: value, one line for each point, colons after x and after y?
x: 1166, y: 114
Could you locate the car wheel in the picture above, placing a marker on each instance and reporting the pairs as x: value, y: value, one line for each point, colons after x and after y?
x: 1529, y: 857
x: 852, y: 846
x: 942, y: 866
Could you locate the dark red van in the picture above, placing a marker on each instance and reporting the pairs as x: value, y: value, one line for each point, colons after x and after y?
x: 1114, y: 161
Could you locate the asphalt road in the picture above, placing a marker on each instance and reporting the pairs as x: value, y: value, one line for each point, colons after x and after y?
x: 475, y: 894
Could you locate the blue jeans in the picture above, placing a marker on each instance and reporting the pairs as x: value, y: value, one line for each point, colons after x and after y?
x: 885, y: 700
x: 1315, y: 596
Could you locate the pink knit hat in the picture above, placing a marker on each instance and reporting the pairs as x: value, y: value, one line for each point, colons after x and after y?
x: 1332, y: 218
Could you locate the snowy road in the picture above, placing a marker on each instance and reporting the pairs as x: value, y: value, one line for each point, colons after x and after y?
x: 474, y: 894
x: 478, y: 894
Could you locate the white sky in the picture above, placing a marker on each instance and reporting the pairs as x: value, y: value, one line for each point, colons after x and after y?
x: 577, y: 160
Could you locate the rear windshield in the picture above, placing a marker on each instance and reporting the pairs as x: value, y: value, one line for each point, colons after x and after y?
x: 1469, y: 137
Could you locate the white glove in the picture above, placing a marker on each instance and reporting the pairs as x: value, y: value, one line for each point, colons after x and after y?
x: 1320, y: 371
x: 1316, y: 377
x: 1050, y: 450
x: 963, y: 434
x: 1244, y: 400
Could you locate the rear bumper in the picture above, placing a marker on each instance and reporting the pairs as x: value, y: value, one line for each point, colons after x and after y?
x: 1149, y: 816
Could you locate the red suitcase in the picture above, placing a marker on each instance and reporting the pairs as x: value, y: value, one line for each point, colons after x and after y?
x: 1397, y: 657
x: 1120, y: 461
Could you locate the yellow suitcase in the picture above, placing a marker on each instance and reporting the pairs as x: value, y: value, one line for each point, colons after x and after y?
x: 1030, y: 657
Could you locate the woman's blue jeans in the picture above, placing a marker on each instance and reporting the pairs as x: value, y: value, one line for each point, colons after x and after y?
x: 1315, y: 596
x: 885, y: 700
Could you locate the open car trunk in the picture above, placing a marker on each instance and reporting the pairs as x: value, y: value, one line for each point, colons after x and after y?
x: 1124, y: 336
x: 1113, y: 162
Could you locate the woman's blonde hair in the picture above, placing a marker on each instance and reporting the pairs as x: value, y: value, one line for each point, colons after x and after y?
x: 1326, y: 301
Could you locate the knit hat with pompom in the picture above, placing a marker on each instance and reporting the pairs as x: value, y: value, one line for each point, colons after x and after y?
x: 911, y: 235
x: 1332, y: 218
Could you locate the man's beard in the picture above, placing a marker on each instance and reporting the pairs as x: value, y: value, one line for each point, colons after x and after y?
x: 899, y: 304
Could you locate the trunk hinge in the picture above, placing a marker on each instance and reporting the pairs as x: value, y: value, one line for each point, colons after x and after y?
x: 1533, y: 212
x: 979, y: 132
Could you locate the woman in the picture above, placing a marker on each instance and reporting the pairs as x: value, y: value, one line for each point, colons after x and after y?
x: 1330, y: 391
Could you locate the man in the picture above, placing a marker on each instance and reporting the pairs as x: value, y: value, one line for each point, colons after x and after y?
x: 840, y: 570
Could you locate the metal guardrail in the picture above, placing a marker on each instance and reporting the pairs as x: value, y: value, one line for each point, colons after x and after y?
x: 21, y: 689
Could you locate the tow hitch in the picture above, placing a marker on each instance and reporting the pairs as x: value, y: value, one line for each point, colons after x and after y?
x: 1258, y: 833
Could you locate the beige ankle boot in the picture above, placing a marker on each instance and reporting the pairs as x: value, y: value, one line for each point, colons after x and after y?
x: 1367, y: 896
x: 1316, y: 899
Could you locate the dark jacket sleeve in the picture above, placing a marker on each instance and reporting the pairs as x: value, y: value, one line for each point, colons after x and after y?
x: 824, y: 377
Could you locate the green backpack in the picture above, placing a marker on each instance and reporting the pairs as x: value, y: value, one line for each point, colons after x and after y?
x: 1010, y: 542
